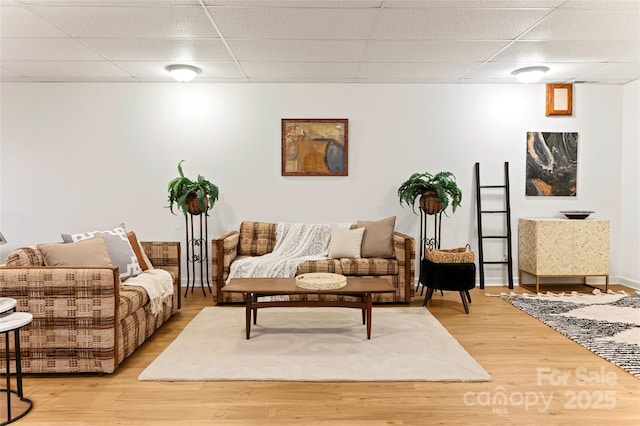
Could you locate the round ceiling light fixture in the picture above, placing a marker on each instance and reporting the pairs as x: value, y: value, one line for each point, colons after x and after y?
x: 529, y: 74
x: 183, y: 73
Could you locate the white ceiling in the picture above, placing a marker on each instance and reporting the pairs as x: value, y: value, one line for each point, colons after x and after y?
x: 354, y: 41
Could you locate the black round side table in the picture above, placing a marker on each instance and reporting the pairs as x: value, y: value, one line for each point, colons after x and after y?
x: 11, y: 321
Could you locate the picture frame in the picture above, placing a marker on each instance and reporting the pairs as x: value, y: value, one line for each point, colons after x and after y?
x: 559, y: 99
x: 315, y: 146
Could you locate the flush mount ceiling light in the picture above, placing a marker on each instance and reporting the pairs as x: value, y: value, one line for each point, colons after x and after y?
x: 529, y: 74
x: 183, y: 73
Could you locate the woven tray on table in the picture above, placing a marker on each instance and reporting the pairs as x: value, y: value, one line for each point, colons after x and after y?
x: 455, y: 255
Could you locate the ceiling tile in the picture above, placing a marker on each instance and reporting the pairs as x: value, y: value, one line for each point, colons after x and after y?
x: 161, y: 49
x: 294, y: 23
x: 404, y: 70
x: 431, y: 50
x: 633, y: 56
x: 612, y: 72
x: 566, y: 50
x: 42, y: 49
x: 19, y: 22
x: 299, y: 70
x: 588, y: 25
x: 299, y: 50
x: 558, y: 72
x: 156, y: 69
x: 484, y: 4
x: 455, y: 24
x: 64, y: 69
x: 130, y: 21
x: 601, y: 4
x: 297, y: 3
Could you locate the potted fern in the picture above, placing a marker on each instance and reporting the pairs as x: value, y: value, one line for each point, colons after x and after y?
x: 436, y: 192
x: 191, y: 196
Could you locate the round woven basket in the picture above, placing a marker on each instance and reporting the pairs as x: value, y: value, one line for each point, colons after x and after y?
x: 321, y: 281
x: 429, y: 203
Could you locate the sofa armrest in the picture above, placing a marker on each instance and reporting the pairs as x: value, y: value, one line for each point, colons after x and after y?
x: 224, y: 249
x: 75, y: 317
x: 405, y: 249
x: 166, y: 255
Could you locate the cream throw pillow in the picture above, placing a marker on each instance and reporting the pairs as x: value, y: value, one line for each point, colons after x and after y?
x: 91, y: 252
x: 345, y: 243
x: 378, y: 238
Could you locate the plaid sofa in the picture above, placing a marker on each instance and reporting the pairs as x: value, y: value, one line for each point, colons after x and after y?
x: 84, y: 320
x: 259, y: 238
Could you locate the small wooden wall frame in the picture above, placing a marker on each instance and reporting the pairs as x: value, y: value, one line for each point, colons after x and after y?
x: 559, y: 99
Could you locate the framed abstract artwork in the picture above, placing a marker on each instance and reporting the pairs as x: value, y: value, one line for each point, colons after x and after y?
x: 552, y: 164
x: 315, y: 147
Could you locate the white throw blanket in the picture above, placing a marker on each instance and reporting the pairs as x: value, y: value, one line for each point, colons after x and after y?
x: 158, y: 284
x: 295, y: 243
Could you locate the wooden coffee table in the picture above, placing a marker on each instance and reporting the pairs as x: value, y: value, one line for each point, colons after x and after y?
x: 361, y: 288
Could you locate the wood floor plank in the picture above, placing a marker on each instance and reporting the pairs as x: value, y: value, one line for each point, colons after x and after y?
x: 512, y: 346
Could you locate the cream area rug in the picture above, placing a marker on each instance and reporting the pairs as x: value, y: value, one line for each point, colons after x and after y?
x: 315, y: 344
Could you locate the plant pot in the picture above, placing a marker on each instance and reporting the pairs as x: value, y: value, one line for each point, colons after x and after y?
x: 193, y: 206
x: 429, y: 203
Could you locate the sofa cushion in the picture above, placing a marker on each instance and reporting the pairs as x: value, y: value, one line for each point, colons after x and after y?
x: 378, y: 237
x: 132, y: 298
x: 256, y: 238
x: 120, y: 250
x: 323, y: 265
x: 345, y: 243
x: 90, y: 252
x: 25, y: 256
x: 369, y: 266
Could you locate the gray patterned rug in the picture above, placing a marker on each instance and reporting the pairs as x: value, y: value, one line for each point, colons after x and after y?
x: 606, y: 324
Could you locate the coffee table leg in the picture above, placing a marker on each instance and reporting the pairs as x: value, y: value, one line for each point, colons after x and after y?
x: 369, y: 306
x: 255, y: 310
x: 248, y: 299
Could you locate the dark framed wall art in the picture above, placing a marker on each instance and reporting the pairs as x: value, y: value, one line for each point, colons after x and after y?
x: 315, y: 147
x: 552, y: 164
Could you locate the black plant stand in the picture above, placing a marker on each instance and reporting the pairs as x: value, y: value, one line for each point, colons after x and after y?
x: 197, y: 252
x: 426, y: 241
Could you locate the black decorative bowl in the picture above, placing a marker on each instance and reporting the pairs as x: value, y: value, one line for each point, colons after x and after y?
x: 576, y: 214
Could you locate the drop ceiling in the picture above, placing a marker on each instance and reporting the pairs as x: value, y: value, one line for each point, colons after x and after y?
x: 318, y: 41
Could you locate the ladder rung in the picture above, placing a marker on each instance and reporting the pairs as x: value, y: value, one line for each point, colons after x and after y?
x: 496, y: 262
x: 493, y: 186
x: 493, y: 211
x: 494, y: 236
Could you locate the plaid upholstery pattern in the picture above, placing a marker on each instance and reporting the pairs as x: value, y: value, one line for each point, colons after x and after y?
x: 25, y: 256
x: 325, y: 265
x: 83, y: 319
x: 369, y: 266
x: 258, y: 238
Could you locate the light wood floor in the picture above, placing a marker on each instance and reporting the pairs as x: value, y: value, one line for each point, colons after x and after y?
x: 509, y: 344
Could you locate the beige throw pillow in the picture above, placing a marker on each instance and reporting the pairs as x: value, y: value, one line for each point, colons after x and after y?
x: 345, y: 243
x: 91, y: 252
x: 378, y: 238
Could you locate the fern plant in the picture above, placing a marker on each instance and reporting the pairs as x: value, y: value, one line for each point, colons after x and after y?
x: 194, y: 197
x: 443, y: 184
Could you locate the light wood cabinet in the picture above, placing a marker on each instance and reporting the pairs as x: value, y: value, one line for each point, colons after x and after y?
x: 563, y: 248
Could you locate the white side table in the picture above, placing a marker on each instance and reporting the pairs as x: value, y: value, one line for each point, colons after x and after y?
x: 13, y: 321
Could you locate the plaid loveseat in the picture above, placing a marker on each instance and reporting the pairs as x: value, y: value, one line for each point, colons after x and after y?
x: 259, y: 238
x: 84, y: 320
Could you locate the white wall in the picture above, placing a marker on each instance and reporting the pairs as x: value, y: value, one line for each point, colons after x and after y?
x: 85, y: 155
x: 628, y: 263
